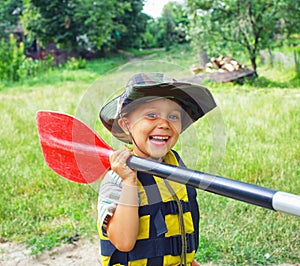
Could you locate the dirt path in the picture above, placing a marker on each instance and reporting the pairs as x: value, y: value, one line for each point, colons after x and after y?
x: 81, y: 253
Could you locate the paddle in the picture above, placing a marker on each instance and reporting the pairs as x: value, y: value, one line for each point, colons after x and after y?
x: 74, y: 151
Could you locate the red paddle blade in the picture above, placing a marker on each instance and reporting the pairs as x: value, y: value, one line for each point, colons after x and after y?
x: 71, y: 148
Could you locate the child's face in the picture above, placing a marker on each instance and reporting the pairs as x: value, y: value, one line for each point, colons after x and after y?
x: 155, y: 127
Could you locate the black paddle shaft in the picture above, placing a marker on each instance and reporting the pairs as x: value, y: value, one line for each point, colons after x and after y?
x: 234, y: 189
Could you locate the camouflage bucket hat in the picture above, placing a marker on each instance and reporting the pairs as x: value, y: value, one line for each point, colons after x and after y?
x: 195, y: 100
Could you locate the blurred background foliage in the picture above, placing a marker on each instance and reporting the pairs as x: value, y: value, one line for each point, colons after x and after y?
x: 86, y: 29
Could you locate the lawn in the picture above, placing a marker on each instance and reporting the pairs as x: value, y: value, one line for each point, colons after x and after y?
x: 254, y: 136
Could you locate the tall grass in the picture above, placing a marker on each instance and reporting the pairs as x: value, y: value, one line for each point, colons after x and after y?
x: 262, y: 128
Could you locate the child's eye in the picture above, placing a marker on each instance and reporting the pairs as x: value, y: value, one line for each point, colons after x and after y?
x: 173, y: 117
x: 151, y: 115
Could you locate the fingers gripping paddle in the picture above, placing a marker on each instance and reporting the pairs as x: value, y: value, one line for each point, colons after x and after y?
x: 74, y: 151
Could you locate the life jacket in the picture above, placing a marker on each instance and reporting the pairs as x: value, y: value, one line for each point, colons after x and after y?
x: 159, y: 239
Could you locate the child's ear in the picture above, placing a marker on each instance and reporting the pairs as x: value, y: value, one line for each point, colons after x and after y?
x: 124, y: 124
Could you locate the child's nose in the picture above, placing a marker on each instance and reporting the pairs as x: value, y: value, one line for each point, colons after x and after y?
x: 163, y: 123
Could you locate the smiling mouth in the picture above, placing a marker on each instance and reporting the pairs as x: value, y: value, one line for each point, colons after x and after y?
x: 159, y: 139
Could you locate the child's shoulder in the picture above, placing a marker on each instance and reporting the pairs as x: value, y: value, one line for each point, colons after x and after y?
x: 111, y: 178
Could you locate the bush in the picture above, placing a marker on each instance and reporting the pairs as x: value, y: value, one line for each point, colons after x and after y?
x: 30, y: 67
x: 11, y: 58
x: 15, y: 66
x: 75, y: 64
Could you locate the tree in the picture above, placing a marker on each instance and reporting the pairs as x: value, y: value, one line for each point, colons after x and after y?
x: 175, y: 22
x: 51, y: 21
x: 88, y: 24
x: 150, y: 36
x: 249, y: 25
x: 291, y: 27
x: 96, y: 18
x: 10, y: 12
x: 129, y: 26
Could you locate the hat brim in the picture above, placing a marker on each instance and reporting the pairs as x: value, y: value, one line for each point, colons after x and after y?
x: 195, y: 100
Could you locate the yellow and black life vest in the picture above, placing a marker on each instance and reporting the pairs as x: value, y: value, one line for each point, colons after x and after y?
x: 159, y: 238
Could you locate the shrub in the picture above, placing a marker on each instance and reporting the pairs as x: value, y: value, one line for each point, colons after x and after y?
x: 30, y: 67
x: 75, y: 64
x: 11, y: 58
x: 15, y: 66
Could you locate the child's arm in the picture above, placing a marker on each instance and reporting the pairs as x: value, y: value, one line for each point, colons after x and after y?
x: 195, y: 263
x: 123, y: 226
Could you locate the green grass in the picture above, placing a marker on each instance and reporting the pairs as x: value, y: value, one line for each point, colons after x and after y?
x: 261, y: 121
x: 60, y: 76
x: 262, y: 131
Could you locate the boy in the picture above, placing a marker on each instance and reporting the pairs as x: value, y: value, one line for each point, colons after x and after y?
x: 143, y: 219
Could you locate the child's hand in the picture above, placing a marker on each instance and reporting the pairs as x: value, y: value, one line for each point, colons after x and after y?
x: 118, y: 164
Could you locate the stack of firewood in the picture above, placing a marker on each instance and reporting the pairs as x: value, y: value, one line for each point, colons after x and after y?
x: 196, y: 69
x: 223, y: 64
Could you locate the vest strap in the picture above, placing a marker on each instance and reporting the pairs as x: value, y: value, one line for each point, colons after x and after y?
x: 150, y: 248
x: 169, y: 207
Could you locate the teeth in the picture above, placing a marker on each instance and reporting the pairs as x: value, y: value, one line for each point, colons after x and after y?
x: 160, y: 138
